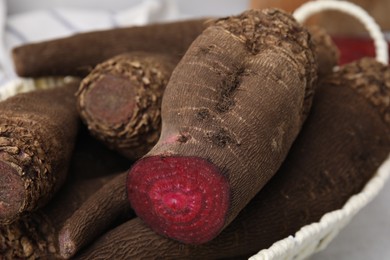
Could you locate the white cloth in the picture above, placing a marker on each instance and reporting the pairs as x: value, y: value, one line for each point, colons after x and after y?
x: 39, y: 20
x: 45, y: 24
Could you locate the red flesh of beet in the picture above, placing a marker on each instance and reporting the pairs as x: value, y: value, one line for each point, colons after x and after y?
x: 180, y: 195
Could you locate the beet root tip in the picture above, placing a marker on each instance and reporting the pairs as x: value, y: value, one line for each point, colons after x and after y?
x: 66, y: 245
x: 184, y: 198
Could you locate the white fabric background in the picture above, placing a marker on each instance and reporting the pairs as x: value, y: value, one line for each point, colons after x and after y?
x: 366, y: 237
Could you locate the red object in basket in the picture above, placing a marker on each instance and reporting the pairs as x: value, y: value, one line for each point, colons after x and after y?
x: 354, y: 48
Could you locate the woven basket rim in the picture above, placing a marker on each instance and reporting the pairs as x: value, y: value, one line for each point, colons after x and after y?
x: 316, y: 236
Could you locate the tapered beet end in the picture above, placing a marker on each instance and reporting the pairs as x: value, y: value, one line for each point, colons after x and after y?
x: 66, y: 244
x: 12, y: 192
x: 184, y: 198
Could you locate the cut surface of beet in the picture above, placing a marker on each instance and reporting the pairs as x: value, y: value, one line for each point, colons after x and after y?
x: 111, y: 99
x: 11, y: 190
x: 184, y: 198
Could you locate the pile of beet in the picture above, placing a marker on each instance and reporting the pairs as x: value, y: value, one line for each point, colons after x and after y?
x: 203, y: 139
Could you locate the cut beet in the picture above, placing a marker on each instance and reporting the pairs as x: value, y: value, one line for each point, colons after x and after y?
x: 182, y: 197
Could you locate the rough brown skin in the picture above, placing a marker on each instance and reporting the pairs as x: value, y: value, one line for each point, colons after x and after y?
x: 77, y: 55
x: 92, y: 159
x: 325, y: 49
x: 344, y: 140
x: 120, y: 101
x: 37, y: 134
x: 95, y: 216
x: 234, y: 104
x: 36, y: 235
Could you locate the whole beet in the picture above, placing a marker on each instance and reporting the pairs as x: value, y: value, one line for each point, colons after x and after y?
x: 231, y: 110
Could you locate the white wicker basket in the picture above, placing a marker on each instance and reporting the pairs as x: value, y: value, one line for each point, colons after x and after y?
x: 316, y: 236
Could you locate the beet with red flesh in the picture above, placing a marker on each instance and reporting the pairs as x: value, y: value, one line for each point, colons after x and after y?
x: 231, y: 110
